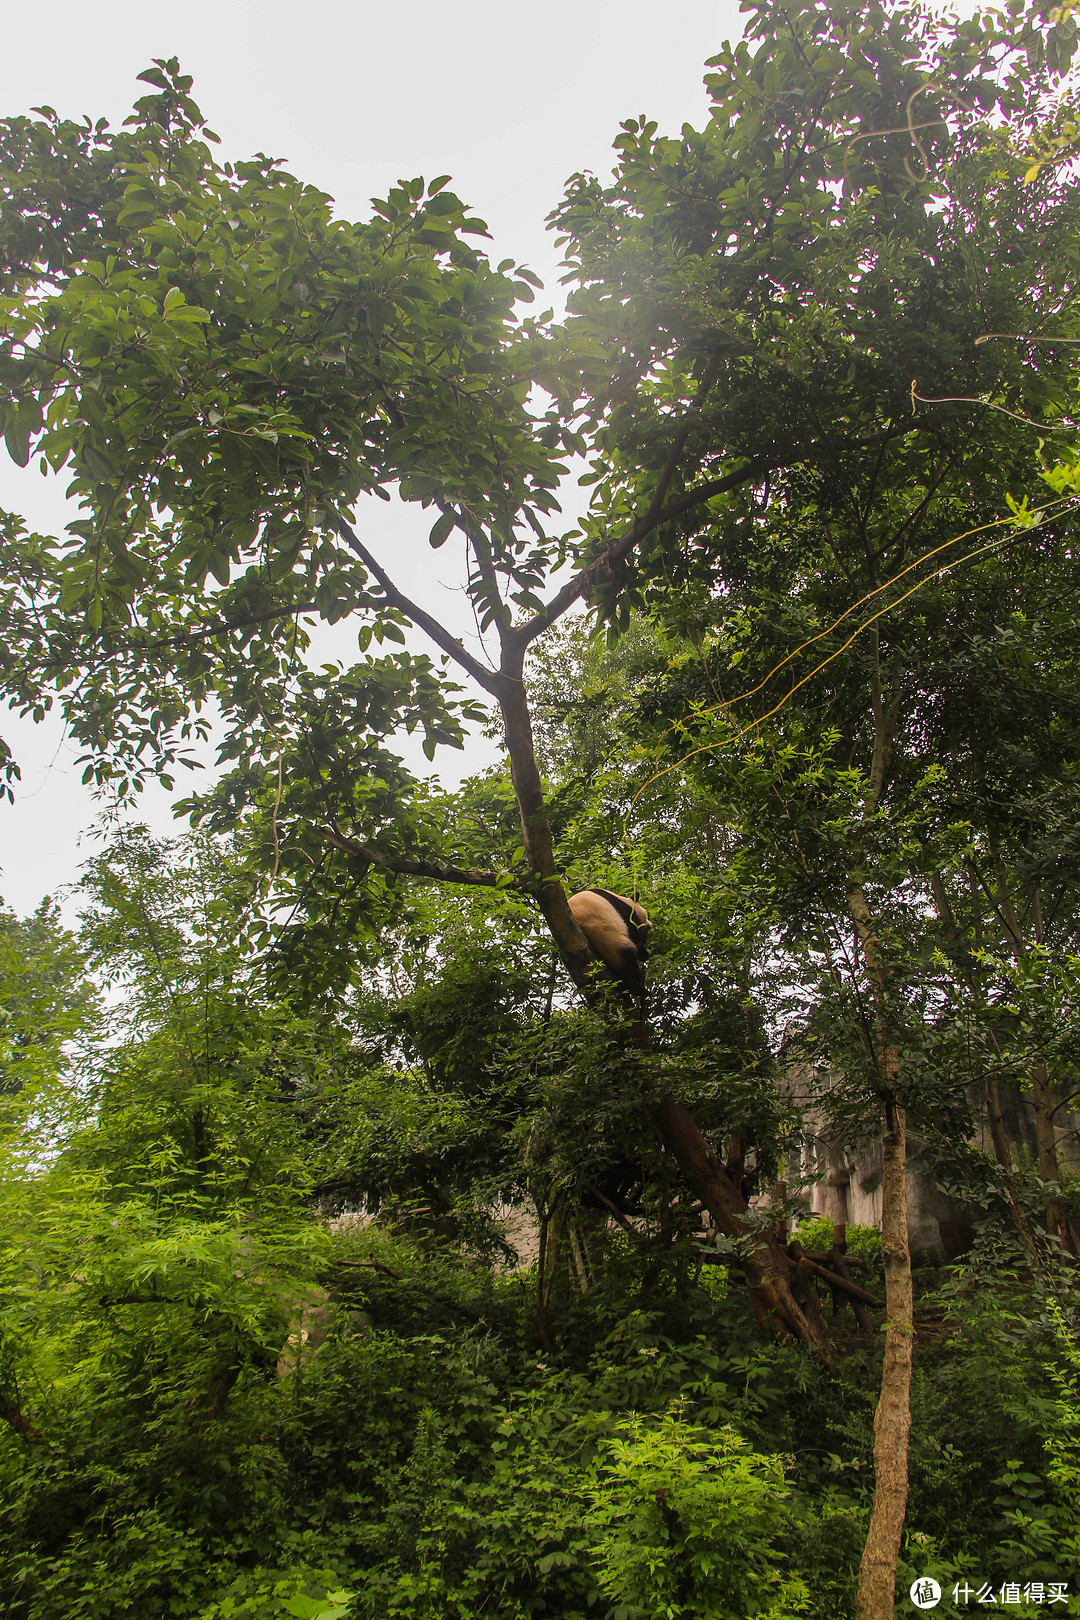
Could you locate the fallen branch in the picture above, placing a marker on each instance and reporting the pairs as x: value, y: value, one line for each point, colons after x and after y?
x: 835, y: 1280
x: 839, y: 1261
x: 824, y: 1258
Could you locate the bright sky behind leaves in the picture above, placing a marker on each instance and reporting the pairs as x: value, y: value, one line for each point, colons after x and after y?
x: 507, y: 99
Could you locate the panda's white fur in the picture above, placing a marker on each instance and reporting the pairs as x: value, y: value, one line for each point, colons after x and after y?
x: 617, y: 931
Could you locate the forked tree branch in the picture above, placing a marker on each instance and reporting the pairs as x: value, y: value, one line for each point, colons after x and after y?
x: 489, y: 679
x: 517, y: 639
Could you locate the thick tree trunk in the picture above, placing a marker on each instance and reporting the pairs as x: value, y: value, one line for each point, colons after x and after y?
x: 782, y: 1289
x: 1042, y: 1101
x: 965, y: 963
x: 999, y: 1136
x: 535, y: 826
x: 892, y: 1421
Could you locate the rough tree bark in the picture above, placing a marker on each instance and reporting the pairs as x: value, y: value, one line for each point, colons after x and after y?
x: 892, y: 1420
x: 782, y: 1289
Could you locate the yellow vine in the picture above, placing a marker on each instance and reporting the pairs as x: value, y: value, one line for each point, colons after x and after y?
x: 956, y: 562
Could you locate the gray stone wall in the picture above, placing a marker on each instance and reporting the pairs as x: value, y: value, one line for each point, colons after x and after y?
x: 844, y: 1184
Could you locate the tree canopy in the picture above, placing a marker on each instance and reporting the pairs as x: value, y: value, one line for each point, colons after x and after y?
x: 816, y: 364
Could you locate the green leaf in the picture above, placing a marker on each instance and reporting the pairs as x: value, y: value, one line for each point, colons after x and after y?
x: 440, y: 530
x: 97, y: 464
x: 138, y: 214
x: 154, y: 76
x: 17, y: 439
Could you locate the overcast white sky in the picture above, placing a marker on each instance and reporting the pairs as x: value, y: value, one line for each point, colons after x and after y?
x: 509, y: 100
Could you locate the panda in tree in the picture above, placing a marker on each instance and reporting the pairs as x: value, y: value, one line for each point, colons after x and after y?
x: 617, y: 932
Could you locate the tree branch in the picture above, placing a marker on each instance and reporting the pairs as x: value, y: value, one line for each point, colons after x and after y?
x: 369, y: 1265
x: 109, y: 1300
x: 130, y: 640
x: 411, y: 868
x: 489, y: 679
x: 845, y: 1284
x: 225, y: 626
x: 618, y: 549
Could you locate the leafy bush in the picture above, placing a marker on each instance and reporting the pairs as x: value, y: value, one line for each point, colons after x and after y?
x: 683, y: 1520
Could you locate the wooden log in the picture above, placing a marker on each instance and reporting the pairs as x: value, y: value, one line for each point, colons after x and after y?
x: 823, y: 1257
x: 840, y: 1300
x: 836, y: 1279
x: 840, y: 1264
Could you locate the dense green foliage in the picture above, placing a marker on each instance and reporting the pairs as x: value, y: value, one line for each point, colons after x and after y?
x: 347, y: 1269
x: 423, y: 1450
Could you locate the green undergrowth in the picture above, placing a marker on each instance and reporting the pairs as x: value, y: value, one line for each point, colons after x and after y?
x: 430, y: 1458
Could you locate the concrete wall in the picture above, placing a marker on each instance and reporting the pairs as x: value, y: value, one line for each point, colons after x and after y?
x: 849, y: 1190
x: 847, y: 1184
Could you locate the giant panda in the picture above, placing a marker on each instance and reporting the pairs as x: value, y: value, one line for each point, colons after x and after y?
x: 617, y: 932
